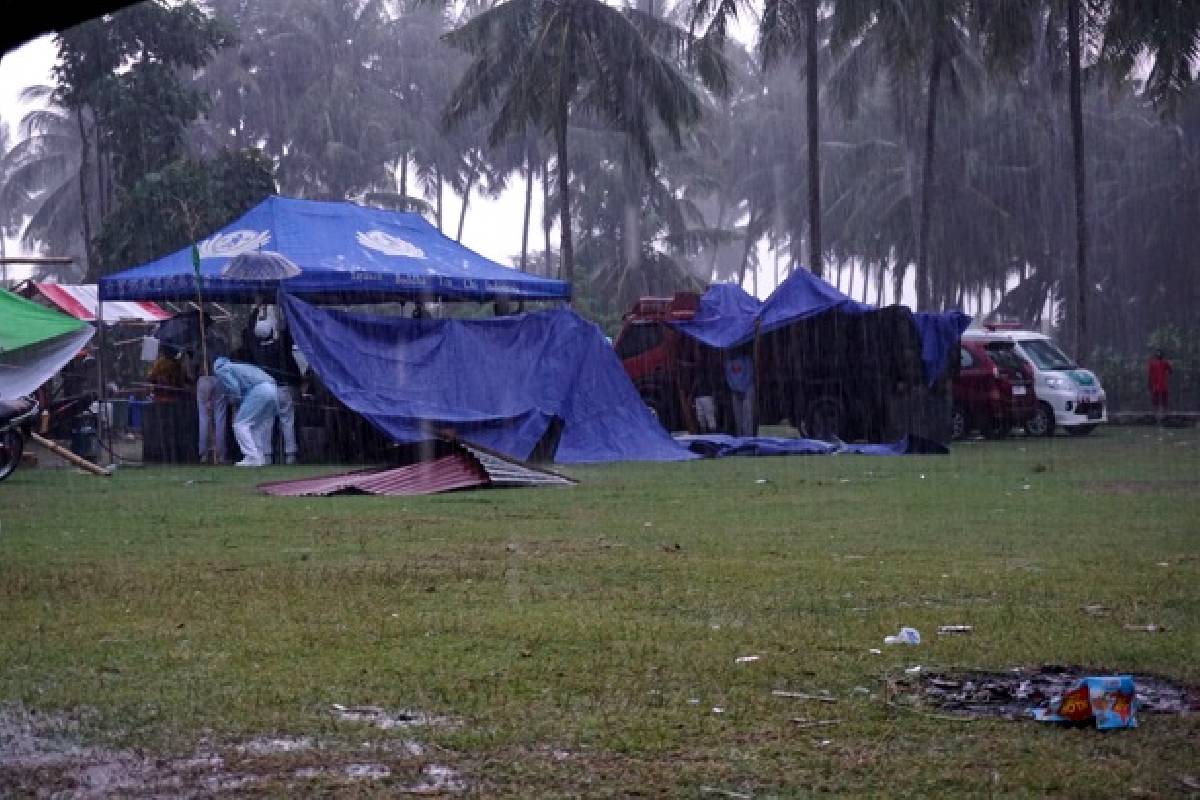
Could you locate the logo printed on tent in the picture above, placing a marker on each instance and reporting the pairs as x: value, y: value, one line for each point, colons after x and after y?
x: 388, y: 244
x: 234, y: 243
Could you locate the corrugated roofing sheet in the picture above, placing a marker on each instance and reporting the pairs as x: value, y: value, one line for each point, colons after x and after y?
x: 471, y: 467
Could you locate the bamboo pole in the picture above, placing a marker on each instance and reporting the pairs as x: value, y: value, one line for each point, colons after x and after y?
x: 63, y: 452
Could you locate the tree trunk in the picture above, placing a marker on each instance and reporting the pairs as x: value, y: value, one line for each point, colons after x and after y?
x: 85, y: 213
x: 1081, y: 265
x: 879, y: 286
x: 746, y: 251
x: 566, y: 266
x: 404, y: 175
x: 462, y: 215
x: 528, y: 212
x: 924, y: 279
x: 547, y: 222
x: 814, y: 139
x: 438, y: 173
x: 850, y: 281
x: 866, y: 280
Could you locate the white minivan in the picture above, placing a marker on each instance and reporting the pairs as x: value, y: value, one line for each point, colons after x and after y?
x: 1068, y: 395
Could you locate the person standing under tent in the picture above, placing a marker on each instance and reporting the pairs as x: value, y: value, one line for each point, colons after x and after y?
x: 739, y: 374
x: 254, y: 392
x: 271, y: 344
x: 211, y: 402
x: 1158, y: 376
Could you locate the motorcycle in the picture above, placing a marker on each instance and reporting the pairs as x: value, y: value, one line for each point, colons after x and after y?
x: 17, y: 417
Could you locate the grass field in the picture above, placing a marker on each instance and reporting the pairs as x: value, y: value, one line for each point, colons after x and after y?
x: 582, y: 639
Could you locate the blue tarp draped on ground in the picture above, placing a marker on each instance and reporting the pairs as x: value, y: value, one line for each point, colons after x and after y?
x: 726, y: 320
x: 498, y: 382
x: 715, y: 445
x: 348, y: 254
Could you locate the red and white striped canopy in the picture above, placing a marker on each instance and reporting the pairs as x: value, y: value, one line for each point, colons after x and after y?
x: 80, y: 301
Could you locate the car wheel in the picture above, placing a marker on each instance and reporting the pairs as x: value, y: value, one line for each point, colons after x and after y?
x: 1042, y: 422
x: 824, y: 419
x: 1081, y: 430
x: 958, y: 424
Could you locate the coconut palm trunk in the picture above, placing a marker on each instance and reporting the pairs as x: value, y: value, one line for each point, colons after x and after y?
x: 566, y: 264
x: 462, y: 215
x: 923, y: 278
x: 547, y: 221
x: 814, y: 139
x: 84, y: 195
x: 1076, y: 98
x: 528, y: 212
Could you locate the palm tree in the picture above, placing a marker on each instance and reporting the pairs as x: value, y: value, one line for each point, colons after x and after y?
x: 926, y: 38
x: 40, y: 179
x: 1074, y: 32
x: 785, y: 28
x: 543, y: 62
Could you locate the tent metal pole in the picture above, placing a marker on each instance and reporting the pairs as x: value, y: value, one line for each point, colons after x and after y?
x: 757, y: 375
x: 103, y: 429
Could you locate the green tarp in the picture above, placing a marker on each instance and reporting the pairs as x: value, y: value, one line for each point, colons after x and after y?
x: 35, y: 343
x: 23, y: 322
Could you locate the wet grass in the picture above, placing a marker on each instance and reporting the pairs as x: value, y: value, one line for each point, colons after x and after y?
x: 586, y: 636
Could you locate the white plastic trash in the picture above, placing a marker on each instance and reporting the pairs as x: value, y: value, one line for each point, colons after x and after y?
x: 906, y: 636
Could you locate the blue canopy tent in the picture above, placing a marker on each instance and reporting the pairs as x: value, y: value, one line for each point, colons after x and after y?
x: 510, y: 383
x: 347, y: 253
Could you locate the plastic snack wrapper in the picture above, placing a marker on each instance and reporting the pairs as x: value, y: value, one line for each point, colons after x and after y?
x: 1110, y: 701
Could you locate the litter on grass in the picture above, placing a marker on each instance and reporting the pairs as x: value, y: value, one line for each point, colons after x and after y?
x: 1108, y: 701
x: 1018, y: 693
x: 905, y: 636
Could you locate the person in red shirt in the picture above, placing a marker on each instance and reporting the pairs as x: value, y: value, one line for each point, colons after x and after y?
x: 1159, y: 375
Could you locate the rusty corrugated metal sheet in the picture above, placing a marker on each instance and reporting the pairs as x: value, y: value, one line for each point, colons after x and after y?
x: 469, y: 468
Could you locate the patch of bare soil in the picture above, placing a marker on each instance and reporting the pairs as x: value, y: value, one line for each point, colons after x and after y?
x: 42, y: 755
x: 1014, y: 694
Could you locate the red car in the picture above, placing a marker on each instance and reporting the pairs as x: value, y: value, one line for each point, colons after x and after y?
x: 993, y: 390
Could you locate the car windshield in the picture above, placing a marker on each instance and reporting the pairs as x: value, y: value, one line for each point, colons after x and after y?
x: 1045, y: 355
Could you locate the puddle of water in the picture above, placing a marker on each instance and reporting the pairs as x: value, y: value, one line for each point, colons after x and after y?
x: 387, y: 720
x: 438, y: 779
x: 1015, y: 693
x: 42, y: 755
x: 270, y: 746
x: 366, y: 771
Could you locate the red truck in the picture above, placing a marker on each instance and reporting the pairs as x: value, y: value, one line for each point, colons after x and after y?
x: 654, y: 354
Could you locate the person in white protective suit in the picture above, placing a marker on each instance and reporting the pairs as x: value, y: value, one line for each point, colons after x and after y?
x: 255, y: 393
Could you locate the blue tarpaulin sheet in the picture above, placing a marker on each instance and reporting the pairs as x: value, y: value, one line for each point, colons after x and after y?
x: 715, y: 445
x: 728, y: 317
x: 347, y: 253
x: 498, y: 382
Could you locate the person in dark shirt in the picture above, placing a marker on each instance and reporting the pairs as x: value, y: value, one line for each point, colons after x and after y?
x: 270, y: 344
